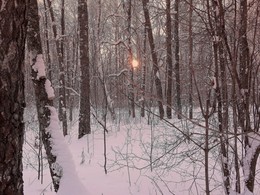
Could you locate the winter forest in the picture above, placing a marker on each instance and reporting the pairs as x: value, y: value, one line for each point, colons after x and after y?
x: 138, y: 97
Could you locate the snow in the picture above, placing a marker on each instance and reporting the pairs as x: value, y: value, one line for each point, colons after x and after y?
x: 157, y: 74
x: 70, y: 183
x: 125, y: 141
x: 254, y: 141
x: 49, y: 90
x: 246, y: 192
x: 129, y: 142
x: 39, y: 67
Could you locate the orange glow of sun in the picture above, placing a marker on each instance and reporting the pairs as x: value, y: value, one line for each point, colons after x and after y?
x: 135, y: 63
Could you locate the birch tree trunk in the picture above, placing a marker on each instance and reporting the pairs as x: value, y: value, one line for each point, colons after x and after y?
x: 43, y: 102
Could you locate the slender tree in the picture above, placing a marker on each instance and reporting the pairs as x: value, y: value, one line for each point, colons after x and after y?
x: 47, y: 41
x: 12, y: 102
x: 156, y: 73
x: 143, y: 87
x: 128, y: 7
x: 84, y: 113
x: 190, y: 60
x: 245, y: 72
x: 177, y: 58
x: 169, y: 58
x: 62, y: 90
x: 62, y: 80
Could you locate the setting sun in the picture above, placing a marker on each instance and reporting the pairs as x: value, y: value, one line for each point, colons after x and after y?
x: 135, y: 63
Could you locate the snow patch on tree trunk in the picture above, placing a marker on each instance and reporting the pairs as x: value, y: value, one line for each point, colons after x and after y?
x: 49, y: 90
x: 39, y: 67
x: 254, y: 142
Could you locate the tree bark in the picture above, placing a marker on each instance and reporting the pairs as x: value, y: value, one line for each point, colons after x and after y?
x: 130, y: 56
x: 158, y: 84
x: 190, y: 60
x: 62, y: 81
x: 84, y: 115
x: 62, y: 90
x: 169, y: 59
x: 143, y: 87
x: 250, y: 160
x: 177, y: 58
x: 47, y: 41
x: 12, y: 100
x: 43, y: 102
x: 221, y: 89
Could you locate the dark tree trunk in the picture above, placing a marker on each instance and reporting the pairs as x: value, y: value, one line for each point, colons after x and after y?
x: 47, y: 41
x: 143, y: 88
x: 177, y: 58
x: 12, y: 44
x: 130, y: 57
x: 190, y: 60
x: 169, y: 59
x: 158, y: 84
x: 84, y: 115
x: 62, y: 81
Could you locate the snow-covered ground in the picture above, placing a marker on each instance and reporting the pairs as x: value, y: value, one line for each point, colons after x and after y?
x: 142, y: 159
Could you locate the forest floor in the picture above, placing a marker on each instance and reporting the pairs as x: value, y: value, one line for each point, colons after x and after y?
x: 141, y: 159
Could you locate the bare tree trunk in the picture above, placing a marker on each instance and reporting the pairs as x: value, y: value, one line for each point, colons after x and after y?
x: 130, y: 56
x: 62, y: 81
x: 206, y: 148
x: 190, y: 60
x: 99, y: 66
x: 169, y: 59
x: 206, y: 113
x: 250, y: 161
x: 221, y: 89
x: 233, y: 61
x: 46, y: 36
x: 84, y: 115
x: 143, y: 88
x: 157, y: 79
x: 62, y: 90
x: 236, y: 141
x: 12, y: 100
x: 177, y: 58
x: 39, y: 80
